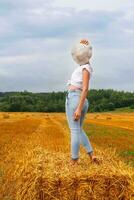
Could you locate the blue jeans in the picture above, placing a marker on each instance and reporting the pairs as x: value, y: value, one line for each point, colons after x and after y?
x: 77, y: 133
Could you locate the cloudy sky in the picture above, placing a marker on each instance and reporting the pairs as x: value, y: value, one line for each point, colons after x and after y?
x: 36, y: 37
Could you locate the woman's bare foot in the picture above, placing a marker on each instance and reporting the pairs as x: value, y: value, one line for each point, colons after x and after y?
x: 74, y: 162
x: 95, y: 159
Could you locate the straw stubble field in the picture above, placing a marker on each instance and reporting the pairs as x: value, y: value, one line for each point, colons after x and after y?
x: 35, y: 157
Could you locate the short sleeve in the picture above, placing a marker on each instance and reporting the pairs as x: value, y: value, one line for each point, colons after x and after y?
x: 88, y: 67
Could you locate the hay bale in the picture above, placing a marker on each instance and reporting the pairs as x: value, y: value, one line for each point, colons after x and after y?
x: 6, y: 116
x: 84, y: 187
x: 108, y: 117
x: 96, y: 116
x: 85, y: 181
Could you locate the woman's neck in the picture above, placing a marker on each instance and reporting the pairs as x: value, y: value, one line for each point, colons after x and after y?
x: 86, y: 63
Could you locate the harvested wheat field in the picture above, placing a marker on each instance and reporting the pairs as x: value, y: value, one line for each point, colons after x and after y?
x: 35, y: 158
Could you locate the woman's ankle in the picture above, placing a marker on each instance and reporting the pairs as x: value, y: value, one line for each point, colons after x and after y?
x: 91, y: 154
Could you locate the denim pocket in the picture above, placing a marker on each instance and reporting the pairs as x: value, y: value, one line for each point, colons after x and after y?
x: 73, y: 101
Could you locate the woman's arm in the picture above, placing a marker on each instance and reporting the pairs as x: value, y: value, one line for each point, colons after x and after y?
x: 85, y: 85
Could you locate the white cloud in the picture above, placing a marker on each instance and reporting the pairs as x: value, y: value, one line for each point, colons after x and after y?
x: 96, y: 4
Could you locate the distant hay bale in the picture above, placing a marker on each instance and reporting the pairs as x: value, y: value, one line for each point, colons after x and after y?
x: 6, y: 116
x: 108, y: 117
x: 96, y: 116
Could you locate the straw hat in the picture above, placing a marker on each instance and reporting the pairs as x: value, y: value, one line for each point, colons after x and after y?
x: 81, y: 52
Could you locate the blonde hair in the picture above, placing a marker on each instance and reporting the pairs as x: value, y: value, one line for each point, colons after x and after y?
x: 81, y: 52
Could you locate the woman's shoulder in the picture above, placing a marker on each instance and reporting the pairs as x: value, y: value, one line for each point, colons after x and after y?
x: 87, y: 66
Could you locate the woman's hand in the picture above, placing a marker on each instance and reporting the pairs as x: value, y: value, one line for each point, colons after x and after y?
x: 77, y: 114
x: 84, y: 41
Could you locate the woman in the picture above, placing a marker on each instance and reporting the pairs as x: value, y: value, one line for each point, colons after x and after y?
x: 77, y: 104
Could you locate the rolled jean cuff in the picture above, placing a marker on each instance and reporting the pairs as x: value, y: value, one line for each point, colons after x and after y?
x: 90, y: 152
x: 75, y: 158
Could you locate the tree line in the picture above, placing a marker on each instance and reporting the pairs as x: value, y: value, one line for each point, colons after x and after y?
x: 99, y: 100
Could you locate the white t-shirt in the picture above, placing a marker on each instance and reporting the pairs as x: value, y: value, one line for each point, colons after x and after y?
x: 76, y: 78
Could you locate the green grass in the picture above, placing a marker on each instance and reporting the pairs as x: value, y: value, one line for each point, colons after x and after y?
x: 125, y: 109
x: 127, y: 153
